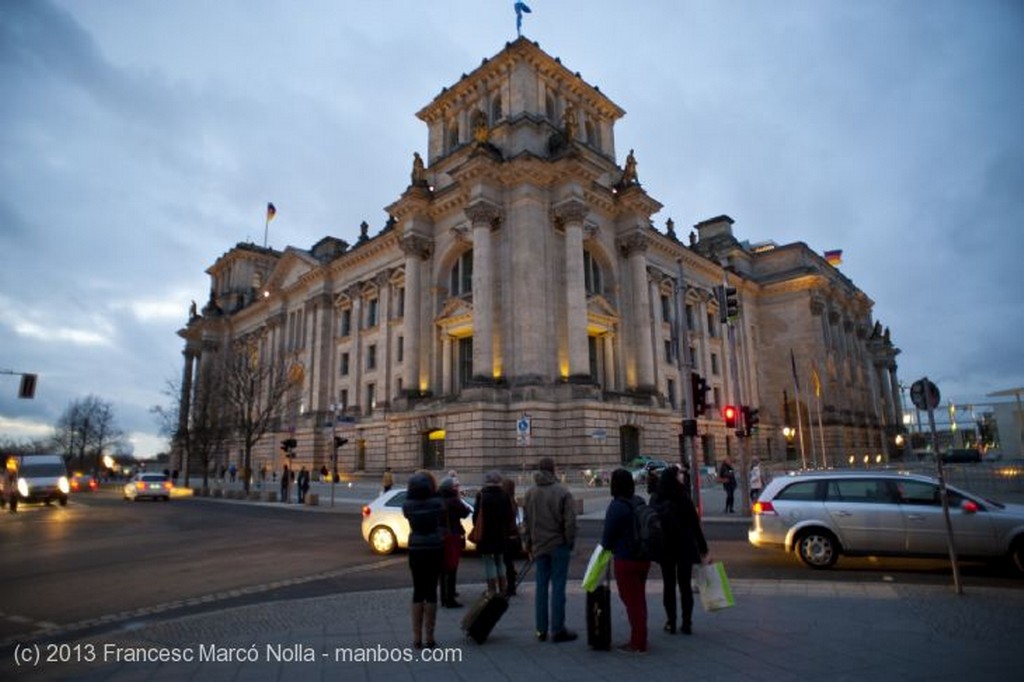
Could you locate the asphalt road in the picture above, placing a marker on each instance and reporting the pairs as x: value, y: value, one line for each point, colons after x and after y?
x: 102, y: 564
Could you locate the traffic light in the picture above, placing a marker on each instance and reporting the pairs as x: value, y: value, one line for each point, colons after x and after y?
x: 732, y: 304
x: 27, y: 389
x: 288, y: 445
x: 339, y: 441
x: 700, y: 394
x: 729, y: 413
x: 752, y: 420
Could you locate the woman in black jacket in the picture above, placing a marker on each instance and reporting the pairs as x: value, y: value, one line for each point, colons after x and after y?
x: 684, y: 546
x: 454, y: 538
x: 492, y: 508
x: 423, y: 509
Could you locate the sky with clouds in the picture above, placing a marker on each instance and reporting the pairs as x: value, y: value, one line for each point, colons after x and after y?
x: 142, y: 139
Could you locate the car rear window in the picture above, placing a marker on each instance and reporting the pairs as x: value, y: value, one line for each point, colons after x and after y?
x: 801, y: 490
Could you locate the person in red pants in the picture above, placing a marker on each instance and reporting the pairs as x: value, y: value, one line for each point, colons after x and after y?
x: 630, y: 570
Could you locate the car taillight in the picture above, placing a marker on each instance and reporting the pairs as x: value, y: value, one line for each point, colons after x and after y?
x: 366, y: 510
x: 167, y: 485
x: 93, y: 484
x: 75, y: 484
x: 764, y: 507
x: 140, y: 485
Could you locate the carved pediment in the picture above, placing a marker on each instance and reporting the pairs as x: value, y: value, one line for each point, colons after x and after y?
x: 456, y: 317
x: 292, y: 266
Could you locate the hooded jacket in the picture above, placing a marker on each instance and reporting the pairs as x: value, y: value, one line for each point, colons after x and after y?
x: 549, y: 515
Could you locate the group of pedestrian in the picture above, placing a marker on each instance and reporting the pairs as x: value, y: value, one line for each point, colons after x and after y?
x: 548, y: 536
x: 301, y: 480
x: 683, y: 545
x: 727, y: 477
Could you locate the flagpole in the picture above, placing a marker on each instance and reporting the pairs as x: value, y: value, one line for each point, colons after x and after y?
x: 799, y: 418
x: 266, y: 229
x: 821, y: 431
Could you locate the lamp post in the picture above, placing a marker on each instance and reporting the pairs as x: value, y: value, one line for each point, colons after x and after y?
x: 789, y: 433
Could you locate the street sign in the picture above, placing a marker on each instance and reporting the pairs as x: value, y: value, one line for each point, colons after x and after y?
x: 523, y: 428
x: 599, y: 434
x: 924, y: 394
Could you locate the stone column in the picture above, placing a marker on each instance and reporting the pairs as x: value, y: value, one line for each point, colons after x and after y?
x: 571, y: 214
x: 417, y: 249
x: 634, y: 247
x: 484, y: 216
x: 446, y: 365
x: 185, y: 402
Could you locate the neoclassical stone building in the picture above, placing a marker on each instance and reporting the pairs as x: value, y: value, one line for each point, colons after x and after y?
x: 520, y: 301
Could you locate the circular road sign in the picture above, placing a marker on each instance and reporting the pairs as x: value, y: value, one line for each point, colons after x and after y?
x: 924, y: 394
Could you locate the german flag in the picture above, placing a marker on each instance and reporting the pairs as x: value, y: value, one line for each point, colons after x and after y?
x: 834, y: 258
x: 271, y: 211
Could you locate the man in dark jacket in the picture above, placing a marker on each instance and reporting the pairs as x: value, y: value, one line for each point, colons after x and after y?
x: 549, y: 533
x: 492, y: 509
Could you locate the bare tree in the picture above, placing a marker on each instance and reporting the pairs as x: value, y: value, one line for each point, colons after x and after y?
x: 254, y: 391
x: 206, y: 431
x: 85, y: 430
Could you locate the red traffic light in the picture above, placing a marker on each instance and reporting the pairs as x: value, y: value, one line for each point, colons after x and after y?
x: 729, y: 413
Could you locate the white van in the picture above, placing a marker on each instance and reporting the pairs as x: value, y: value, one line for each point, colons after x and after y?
x: 34, y: 478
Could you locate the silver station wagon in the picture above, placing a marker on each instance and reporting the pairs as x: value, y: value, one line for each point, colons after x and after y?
x: 822, y: 515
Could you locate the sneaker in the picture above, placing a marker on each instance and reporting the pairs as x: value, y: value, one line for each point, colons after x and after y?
x: 630, y: 649
x: 687, y: 629
x: 542, y: 636
x: 564, y: 636
x: 670, y: 628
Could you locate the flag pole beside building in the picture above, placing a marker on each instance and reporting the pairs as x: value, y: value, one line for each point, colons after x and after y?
x: 271, y: 212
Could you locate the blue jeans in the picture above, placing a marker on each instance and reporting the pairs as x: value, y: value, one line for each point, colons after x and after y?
x: 552, y: 569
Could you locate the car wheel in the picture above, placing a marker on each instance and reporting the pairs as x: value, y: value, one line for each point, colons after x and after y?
x: 63, y: 501
x: 817, y: 548
x: 382, y: 540
x: 1017, y: 555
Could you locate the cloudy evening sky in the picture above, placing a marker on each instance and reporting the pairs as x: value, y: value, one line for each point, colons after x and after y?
x: 142, y: 139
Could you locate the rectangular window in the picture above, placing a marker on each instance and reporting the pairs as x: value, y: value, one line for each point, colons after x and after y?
x: 666, y: 308
x: 465, y: 360
x: 344, y: 399
x: 672, y: 394
x: 714, y: 364
x: 371, y: 356
x: 346, y: 322
x: 400, y: 351
x: 371, y: 397
x: 689, y: 319
x: 592, y: 346
x: 668, y: 350
x: 400, y: 303
x: 344, y: 364
x: 712, y: 327
x: 371, y: 313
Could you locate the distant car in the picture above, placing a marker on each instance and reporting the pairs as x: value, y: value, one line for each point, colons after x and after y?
x: 822, y: 515
x: 148, y: 486
x: 83, y: 483
x: 34, y: 478
x: 386, y: 529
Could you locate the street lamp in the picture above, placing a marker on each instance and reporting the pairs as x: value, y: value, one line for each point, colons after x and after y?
x: 789, y: 433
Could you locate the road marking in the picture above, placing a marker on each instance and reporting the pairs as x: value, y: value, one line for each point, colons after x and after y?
x: 47, y: 629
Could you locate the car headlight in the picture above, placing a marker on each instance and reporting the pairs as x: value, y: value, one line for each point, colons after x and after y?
x: 63, y: 485
x: 23, y: 487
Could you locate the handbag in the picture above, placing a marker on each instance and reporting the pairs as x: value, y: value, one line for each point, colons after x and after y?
x: 477, y: 534
x: 453, y: 544
x: 713, y: 584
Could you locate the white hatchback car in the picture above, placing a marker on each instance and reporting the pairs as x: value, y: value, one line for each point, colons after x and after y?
x: 824, y: 514
x: 151, y: 486
x: 385, y: 527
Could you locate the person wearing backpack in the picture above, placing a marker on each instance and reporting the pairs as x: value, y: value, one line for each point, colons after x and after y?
x: 621, y: 536
x: 685, y: 546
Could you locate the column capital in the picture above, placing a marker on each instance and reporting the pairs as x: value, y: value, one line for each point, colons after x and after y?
x: 570, y: 211
x: 417, y: 246
x: 633, y: 243
x: 483, y: 213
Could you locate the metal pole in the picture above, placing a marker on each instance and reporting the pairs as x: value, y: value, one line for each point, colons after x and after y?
x: 686, y: 369
x: 942, y: 486
x: 334, y: 449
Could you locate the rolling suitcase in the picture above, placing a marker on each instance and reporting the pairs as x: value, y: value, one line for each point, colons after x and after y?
x: 599, y: 617
x: 486, y: 611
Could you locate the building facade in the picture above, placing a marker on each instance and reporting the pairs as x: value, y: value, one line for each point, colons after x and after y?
x: 519, y: 301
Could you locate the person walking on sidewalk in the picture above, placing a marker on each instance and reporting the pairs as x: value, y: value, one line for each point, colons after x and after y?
x: 302, y: 485
x: 454, y: 539
x: 727, y: 477
x: 756, y: 479
x: 286, y: 479
x: 549, y: 534
x: 423, y: 509
x: 685, y: 546
x: 620, y: 536
x: 513, y: 540
x: 387, y: 481
x: 492, y: 510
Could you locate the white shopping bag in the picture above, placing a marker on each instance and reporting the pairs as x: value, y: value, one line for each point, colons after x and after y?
x: 713, y: 583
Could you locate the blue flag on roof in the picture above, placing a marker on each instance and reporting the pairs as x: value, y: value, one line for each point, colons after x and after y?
x: 521, y: 9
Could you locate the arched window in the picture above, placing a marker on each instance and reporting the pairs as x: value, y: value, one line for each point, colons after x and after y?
x: 453, y: 133
x: 592, y: 279
x: 549, y: 107
x: 591, y: 132
x: 461, y: 281
x: 495, y: 109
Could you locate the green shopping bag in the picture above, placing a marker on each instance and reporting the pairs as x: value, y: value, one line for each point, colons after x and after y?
x: 596, y: 567
x: 713, y: 585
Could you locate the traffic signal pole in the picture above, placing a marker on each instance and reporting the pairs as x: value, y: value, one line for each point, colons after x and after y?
x: 684, y: 361
x: 731, y: 301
